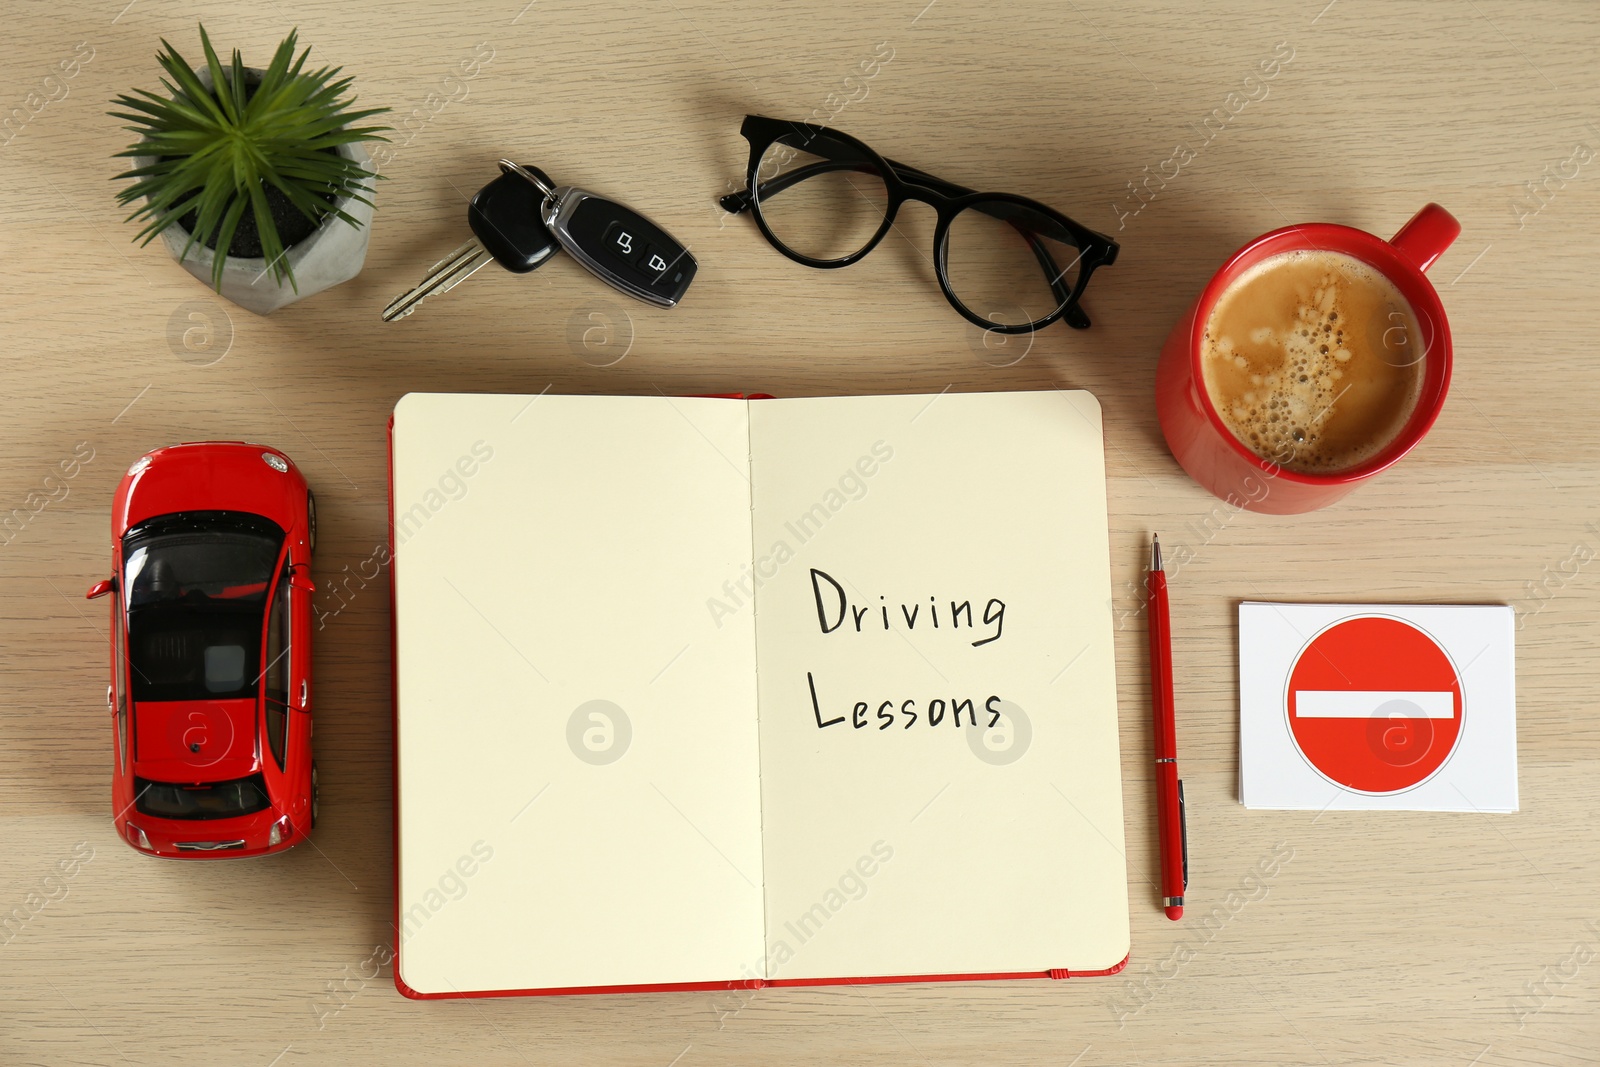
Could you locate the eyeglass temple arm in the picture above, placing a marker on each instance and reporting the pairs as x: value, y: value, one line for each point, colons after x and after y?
x: 741, y: 201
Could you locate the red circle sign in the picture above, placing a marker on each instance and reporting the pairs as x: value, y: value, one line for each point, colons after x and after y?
x: 1374, y: 704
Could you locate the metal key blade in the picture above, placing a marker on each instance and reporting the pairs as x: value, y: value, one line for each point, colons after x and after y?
x: 443, y: 276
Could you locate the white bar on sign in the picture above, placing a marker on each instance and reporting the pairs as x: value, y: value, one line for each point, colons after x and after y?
x: 1364, y: 703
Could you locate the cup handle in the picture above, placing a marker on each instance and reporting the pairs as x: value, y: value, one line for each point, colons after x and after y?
x: 1424, y: 239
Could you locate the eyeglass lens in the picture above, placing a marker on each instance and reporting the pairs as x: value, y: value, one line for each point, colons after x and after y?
x: 1000, y: 260
x: 821, y: 198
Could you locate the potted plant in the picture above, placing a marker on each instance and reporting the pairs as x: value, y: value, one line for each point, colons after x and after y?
x: 256, y: 179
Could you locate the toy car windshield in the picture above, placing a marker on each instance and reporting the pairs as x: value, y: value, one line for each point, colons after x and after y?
x: 196, y: 597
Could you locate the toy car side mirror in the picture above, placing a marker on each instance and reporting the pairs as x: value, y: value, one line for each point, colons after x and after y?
x: 100, y: 588
x: 298, y: 579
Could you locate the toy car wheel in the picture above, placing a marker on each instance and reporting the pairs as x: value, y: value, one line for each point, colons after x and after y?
x: 313, y: 796
x: 311, y: 520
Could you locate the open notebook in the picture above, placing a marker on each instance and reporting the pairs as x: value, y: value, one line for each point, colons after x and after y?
x: 701, y: 692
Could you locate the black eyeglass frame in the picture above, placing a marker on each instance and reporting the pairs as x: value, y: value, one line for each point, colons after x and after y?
x: 946, y: 198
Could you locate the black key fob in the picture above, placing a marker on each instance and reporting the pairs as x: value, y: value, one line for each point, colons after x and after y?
x: 626, y: 250
x: 507, y: 219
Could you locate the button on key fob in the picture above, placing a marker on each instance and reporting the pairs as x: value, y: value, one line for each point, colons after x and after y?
x: 626, y: 250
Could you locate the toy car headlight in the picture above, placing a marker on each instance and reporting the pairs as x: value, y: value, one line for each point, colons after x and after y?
x: 276, y: 462
x: 137, y: 839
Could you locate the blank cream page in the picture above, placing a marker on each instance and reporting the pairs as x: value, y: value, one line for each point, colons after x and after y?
x: 578, y: 793
x: 941, y: 787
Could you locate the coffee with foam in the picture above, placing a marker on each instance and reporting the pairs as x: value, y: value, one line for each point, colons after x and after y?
x: 1314, y: 361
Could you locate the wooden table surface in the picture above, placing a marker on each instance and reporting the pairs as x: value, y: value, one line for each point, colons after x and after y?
x: 1451, y: 939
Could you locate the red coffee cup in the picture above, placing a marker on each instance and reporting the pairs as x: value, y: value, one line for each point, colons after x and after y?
x: 1202, y: 443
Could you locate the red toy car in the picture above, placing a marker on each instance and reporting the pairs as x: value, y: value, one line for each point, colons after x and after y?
x: 210, y: 689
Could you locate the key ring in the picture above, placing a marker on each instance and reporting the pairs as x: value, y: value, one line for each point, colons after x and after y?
x: 510, y: 167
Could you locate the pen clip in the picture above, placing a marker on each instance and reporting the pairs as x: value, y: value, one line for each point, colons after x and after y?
x: 1183, y: 834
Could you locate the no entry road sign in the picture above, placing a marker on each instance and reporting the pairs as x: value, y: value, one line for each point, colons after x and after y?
x: 1374, y: 704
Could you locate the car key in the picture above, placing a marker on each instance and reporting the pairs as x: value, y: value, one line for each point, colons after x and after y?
x: 623, y: 248
x: 508, y: 228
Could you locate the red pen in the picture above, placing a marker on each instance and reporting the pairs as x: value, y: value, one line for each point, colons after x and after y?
x: 1174, y: 830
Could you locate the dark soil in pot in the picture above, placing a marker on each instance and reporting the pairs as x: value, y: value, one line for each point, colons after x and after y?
x: 293, y: 227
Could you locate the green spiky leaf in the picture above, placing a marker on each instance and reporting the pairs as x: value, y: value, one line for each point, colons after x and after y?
x: 217, y: 150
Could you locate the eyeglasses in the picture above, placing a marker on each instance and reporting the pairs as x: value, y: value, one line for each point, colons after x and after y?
x: 1007, y: 263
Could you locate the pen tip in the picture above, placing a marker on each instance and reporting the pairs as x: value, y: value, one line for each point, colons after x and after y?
x: 1175, y: 912
x: 1155, y: 552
